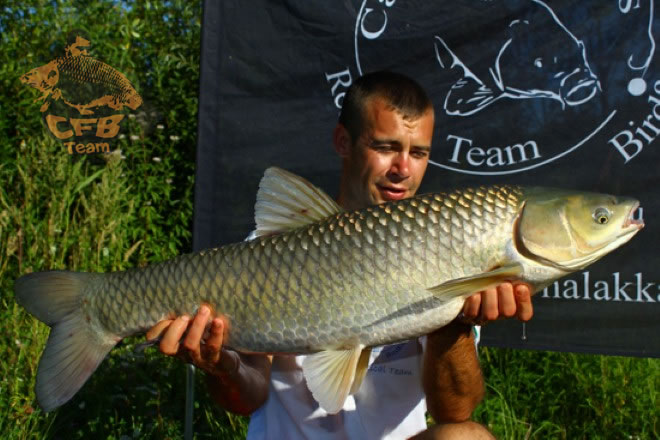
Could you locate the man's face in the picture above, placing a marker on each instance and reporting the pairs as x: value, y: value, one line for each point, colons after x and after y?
x: 388, y: 159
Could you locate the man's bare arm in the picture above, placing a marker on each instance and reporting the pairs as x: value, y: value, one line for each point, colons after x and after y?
x: 452, y: 378
x: 244, y: 390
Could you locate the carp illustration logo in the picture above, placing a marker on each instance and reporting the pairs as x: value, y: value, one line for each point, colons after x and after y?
x: 82, y: 98
x: 518, y: 84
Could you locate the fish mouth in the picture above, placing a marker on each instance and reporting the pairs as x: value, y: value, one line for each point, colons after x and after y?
x: 631, y: 221
x: 581, y: 84
x: 582, y: 92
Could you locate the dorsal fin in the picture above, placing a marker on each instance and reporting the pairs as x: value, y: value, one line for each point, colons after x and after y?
x: 286, y: 201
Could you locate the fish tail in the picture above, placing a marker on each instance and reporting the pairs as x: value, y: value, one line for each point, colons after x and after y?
x: 74, y: 348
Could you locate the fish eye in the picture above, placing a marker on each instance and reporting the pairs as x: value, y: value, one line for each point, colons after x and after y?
x: 601, y: 215
x: 538, y: 62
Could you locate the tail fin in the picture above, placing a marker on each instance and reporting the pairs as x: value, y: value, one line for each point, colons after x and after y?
x: 74, y: 348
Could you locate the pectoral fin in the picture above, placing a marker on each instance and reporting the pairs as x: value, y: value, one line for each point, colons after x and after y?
x: 477, y: 283
x: 330, y: 375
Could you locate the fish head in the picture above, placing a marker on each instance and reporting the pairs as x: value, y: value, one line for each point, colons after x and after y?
x: 134, y: 100
x: 579, y: 85
x: 42, y: 78
x: 570, y: 230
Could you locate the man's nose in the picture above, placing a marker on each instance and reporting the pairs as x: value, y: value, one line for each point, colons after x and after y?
x: 401, y: 165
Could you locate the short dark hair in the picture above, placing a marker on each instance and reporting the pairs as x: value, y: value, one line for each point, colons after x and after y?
x: 400, y: 92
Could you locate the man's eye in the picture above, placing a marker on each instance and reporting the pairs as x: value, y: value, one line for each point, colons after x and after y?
x: 419, y: 154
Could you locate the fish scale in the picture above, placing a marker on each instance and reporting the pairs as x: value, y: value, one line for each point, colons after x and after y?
x: 326, y: 282
x: 87, y: 70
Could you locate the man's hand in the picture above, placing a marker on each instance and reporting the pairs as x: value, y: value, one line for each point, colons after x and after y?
x: 208, y: 355
x: 506, y: 300
x: 237, y: 382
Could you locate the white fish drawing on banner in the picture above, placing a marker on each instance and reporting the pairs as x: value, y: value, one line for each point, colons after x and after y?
x: 530, y: 64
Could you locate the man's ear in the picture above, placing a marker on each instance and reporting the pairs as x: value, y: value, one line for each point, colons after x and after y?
x: 342, y: 141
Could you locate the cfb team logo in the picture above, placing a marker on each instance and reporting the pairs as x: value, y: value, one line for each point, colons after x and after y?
x: 82, y: 98
x: 518, y: 84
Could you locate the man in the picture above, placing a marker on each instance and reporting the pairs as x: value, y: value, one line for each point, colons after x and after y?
x: 384, y: 141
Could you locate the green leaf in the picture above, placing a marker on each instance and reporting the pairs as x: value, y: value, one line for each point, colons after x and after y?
x: 87, y: 181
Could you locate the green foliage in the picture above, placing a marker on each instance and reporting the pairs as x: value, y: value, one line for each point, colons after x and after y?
x: 99, y: 213
x: 135, y: 207
x: 544, y: 395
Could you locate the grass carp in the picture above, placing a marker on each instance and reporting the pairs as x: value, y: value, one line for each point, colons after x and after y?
x: 330, y: 283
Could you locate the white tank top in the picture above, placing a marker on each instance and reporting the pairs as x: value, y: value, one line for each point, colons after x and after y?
x: 389, y: 404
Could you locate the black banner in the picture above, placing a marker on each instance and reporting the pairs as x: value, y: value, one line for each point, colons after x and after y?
x: 556, y: 93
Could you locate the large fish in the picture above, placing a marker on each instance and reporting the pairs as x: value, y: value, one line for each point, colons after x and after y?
x: 328, y: 282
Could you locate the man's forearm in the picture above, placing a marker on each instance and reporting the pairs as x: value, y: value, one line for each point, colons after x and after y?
x: 244, y: 390
x: 452, y: 377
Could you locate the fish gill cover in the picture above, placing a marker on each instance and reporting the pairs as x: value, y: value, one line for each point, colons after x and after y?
x: 83, y: 98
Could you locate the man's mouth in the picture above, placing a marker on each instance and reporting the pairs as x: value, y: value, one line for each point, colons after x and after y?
x: 392, y: 193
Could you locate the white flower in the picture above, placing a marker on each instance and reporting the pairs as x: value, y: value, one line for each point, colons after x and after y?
x: 160, y: 127
x: 174, y: 138
x: 134, y: 137
x: 122, y: 136
x: 156, y: 159
x: 131, y: 116
x: 106, y: 252
x: 53, y: 249
x: 168, y: 181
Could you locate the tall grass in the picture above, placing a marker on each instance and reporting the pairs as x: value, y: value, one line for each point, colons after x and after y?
x: 60, y: 213
x: 534, y: 394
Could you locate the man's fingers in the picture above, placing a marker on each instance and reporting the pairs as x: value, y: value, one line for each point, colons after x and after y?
x: 182, y: 337
x: 472, y: 306
x: 489, y: 308
x: 506, y: 300
x: 157, y: 330
x: 196, y: 330
x: 216, y: 336
x: 169, y: 344
x: 523, y: 296
x: 214, y: 355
